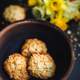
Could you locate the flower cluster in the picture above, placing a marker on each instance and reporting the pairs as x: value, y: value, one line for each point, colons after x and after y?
x: 58, y: 12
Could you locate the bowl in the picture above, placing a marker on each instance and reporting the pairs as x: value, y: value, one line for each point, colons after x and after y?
x: 58, y: 44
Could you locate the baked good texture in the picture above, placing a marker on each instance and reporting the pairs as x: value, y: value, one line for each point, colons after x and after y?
x: 16, y: 67
x: 14, y: 13
x: 41, y: 66
x: 33, y: 46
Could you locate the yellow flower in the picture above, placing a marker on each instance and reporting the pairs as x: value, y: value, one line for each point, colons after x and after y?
x: 32, y: 2
x: 76, y: 15
x: 54, y: 5
x: 60, y: 22
x: 59, y: 14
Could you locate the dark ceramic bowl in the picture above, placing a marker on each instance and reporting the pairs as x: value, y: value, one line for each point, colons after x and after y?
x: 59, y: 47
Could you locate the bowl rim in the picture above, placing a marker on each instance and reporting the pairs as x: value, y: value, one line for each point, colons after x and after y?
x: 71, y: 66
